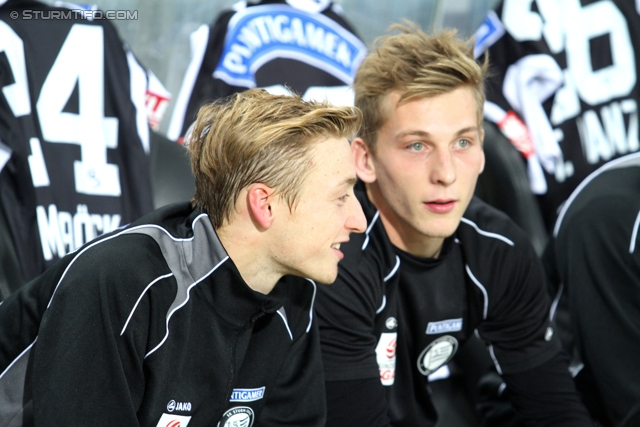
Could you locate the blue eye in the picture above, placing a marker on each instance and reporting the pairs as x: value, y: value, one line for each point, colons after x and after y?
x: 463, y: 143
x: 416, y: 146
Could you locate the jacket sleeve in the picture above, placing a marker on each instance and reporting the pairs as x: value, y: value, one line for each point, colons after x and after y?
x: 523, y: 341
x: 546, y: 395
x: 357, y: 402
x: 517, y: 325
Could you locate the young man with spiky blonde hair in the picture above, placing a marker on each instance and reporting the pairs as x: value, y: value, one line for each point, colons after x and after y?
x: 435, y: 265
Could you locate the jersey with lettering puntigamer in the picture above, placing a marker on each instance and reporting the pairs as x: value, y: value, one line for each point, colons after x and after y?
x: 305, y: 46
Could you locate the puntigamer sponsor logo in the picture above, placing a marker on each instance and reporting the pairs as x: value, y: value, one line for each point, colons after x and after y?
x: 444, y: 326
x: 247, y: 394
x: 257, y: 35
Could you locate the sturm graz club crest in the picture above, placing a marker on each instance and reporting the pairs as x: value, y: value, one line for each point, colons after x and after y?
x: 240, y: 416
x: 436, y: 354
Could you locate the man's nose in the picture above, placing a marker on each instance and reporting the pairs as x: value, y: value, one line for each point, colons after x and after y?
x: 356, y: 222
x: 442, y: 167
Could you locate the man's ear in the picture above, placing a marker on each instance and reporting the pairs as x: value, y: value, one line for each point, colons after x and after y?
x: 482, y: 144
x: 363, y: 160
x: 259, y: 201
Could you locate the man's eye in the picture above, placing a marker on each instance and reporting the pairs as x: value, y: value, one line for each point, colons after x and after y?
x: 416, y: 146
x: 343, y: 198
x: 464, y: 143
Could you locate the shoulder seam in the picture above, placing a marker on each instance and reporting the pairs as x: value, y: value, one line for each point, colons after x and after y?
x: 487, y: 233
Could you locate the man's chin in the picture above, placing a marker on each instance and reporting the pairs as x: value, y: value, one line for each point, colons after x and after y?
x: 441, y: 231
x: 324, y: 279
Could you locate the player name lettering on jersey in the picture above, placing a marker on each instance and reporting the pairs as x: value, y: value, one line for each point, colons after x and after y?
x: 247, y: 395
x: 63, y: 232
x: 591, y: 116
x: 257, y: 35
x: 605, y: 136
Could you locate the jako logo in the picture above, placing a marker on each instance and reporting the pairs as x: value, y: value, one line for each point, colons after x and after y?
x: 174, y: 423
x: 178, y: 406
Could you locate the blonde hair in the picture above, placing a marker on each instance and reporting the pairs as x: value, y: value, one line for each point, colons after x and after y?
x: 419, y: 66
x: 255, y: 137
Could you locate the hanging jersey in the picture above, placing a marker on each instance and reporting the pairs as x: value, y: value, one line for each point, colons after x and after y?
x: 564, y: 87
x: 302, y: 46
x: 74, y: 130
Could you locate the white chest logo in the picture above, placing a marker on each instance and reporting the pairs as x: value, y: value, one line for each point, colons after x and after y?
x: 391, y: 323
x: 436, y: 354
x: 240, y: 416
x: 178, y: 406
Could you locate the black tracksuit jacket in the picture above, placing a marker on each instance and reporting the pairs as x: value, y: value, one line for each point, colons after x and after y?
x: 154, y: 326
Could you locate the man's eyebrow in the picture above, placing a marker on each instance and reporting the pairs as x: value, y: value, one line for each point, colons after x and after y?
x: 467, y: 129
x: 425, y: 134
x: 413, y: 132
x: 350, y: 181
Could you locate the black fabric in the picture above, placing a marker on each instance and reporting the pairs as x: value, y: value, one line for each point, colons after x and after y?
x: 10, y: 275
x: 494, y: 405
x: 504, y: 184
x: 545, y: 395
x: 171, y: 177
x: 356, y: 402
x: 594, y: 258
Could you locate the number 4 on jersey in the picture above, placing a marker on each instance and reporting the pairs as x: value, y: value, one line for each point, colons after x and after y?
x: 80, y: 62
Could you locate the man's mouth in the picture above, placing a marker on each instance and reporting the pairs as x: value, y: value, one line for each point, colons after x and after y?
x: 440, y: 206
x: 336, y: 250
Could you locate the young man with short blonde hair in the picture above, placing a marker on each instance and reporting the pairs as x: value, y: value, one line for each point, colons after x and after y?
x: 436, y: 265
x: 195, y: 314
